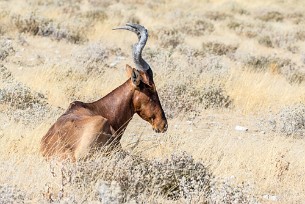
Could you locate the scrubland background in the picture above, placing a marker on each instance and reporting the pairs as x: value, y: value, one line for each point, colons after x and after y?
x: 217, y: 64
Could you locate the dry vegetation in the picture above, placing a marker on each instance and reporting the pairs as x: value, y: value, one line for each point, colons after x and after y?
x: 217, y: 64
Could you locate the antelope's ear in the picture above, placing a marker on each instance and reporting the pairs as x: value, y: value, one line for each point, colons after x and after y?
x: 134, y: 75
x: 128, y: 70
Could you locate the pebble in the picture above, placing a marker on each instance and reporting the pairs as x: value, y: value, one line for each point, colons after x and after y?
x: 241, y: 128
x: 270, y: 197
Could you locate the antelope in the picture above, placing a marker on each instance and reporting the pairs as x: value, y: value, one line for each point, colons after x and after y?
x: 85, y: 126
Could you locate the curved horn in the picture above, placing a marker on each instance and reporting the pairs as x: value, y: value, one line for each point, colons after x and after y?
x: 142, y: 34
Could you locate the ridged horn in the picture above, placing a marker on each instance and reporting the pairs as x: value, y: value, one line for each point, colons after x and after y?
x: 142, y: 34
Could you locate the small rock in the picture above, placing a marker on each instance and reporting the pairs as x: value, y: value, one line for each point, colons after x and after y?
x: 270, y: 197
x: 241, y: 128
x: 189, y: 122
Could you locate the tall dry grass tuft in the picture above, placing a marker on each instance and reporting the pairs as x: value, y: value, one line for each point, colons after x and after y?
x: 256, y: 91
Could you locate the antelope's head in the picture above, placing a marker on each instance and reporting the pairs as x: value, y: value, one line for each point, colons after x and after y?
x: 146, y: 101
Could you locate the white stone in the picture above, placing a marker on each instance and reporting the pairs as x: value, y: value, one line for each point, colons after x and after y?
x: 270, y: 197
x: 241, y: 128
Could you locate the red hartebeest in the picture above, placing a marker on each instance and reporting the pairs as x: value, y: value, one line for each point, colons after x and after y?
x: 87, y: 125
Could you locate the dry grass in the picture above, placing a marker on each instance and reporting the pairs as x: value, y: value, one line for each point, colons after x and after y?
x: 217, y: 64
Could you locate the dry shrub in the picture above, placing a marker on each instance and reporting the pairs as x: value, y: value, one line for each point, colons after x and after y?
x: 183, y: 98
x: 217, y: 16
x: 197, y: 27
x: 247, y: 29
x: 11, y: 194
x: 228, y: 193
x: 265, y: 40
x: 132, y: 178
x: 274, y: 36
x: 258, y: 63
x: 295, y: 17
x: 187, y: 95
x: 237, y: 9
x: 290, y: 70
x: 193, y: 57
x: 26, y: 106
x: 191, y: 52
x: 95, y: 57
x: 271, y: 16
x: 300, y: 35
x: 70, y: 7
x: 242, y: 29
x: 297, y: 77
x: 215, y: 97
x: 92, y: 57
x: 45, y: 27
x: 132, y: 19
x: 205, y: 62
x: 234, y: 25
x: 180, y: 98
x: 263, y: 62
x: 126, y: 178
x: 19, y: 96
x: 64, y: 33
x: 218, y: 48
x: 96, y: 15
x: 168, y: 37
x: 214, y: 65
x: 5, y: 74
x: 6, y: 48
x: 279, y: 39
x: 57, y: 3
x: 3, y: 30
x: 101, y: 4
x: 30, y: 24
x: 155, y: 4
x: 163, y: 61
x: 290, y: 121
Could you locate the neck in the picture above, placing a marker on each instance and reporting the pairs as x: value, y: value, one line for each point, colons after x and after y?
x: 117, y: 106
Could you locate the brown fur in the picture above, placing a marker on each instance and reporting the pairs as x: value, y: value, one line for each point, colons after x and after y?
x: 87, y: 125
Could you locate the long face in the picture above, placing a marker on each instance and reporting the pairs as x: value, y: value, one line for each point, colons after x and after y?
x: 146, y: 101
x: 148, y: 106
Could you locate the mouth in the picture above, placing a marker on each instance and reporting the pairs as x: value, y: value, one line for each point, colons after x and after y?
x: 156, y: 130
x: 160, y: 130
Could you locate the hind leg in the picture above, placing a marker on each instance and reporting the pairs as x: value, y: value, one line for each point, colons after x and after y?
x: 96, y: 133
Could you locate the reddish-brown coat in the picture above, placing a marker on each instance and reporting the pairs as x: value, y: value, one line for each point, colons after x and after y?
x: 87, y: 125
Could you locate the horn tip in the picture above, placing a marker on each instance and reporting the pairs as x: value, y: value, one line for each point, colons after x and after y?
x: 119, y: 28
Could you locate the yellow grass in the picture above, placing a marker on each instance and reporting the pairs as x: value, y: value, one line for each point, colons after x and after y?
x: 260, y: 91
